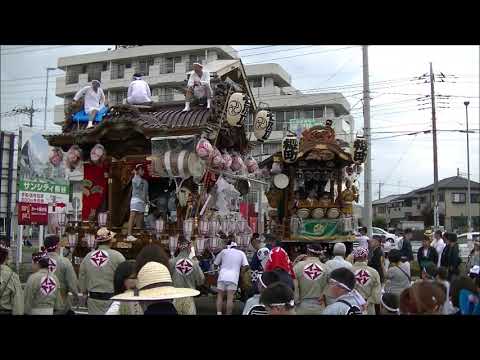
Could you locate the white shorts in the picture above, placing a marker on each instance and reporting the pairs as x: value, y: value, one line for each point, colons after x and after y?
x: 226, y: 286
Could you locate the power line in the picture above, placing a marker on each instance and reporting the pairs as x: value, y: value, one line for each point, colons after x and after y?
x: 36, y: 50
x: 305, y: 54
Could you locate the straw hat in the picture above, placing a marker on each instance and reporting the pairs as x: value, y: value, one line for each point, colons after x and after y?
x: 155, y: 283
x: 198, y: 64
x: 104, y: 235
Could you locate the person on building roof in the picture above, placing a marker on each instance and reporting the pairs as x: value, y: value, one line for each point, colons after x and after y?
x: 94, y: 100
x: 199, y: 86
x: 138, y: 91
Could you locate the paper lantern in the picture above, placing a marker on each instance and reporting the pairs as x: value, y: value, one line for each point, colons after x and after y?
x: 263, y: 125
x: 217, y: 159
x: 159, y: 225
x: 227, y: 161
x: 237, y: 163
x: 237, y: 109
x: 72, y: 239
x: 251, y: 165
x: 290, y: 148
x: 204, y: 149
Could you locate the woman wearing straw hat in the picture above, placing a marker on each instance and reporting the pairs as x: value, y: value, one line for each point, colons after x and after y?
x: 155, y: 290
x: 186, y: 272
x: 97, y: 272
x: 42, y: 291
x: 11, y: 293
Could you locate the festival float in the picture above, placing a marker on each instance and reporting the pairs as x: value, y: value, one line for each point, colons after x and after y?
x: 313, y: 187
x: 197, y: 166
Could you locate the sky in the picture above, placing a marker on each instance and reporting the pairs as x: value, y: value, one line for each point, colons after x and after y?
x: 401, y: 162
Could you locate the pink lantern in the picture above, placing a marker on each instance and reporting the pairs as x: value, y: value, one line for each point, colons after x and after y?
x: 72, y: 240
x: 188, y: 228
x: 159, y: 225
x: 200, y: 242
x: 172, y: 242
x: 241, y: 226
x: 237, y: 162
x: 203, y: 227
x: 62, y: 219
x: 251, y: 164
x: 91, y: 241
x: 213, y: 227
x: 204, y: 149
x: 217, y: 159
x: 102, y: 219
x: 227, y: 159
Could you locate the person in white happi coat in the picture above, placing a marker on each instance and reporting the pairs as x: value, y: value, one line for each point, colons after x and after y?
x: 139, y: 92
x: 199, y: 86
x: 94, y: 100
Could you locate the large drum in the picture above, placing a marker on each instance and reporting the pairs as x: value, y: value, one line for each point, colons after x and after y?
x: 183, y: 164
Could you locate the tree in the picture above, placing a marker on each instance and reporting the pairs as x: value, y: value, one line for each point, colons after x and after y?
x: 379, y: 222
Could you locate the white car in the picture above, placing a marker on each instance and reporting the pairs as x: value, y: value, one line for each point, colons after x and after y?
x: 465, y: 246
x: 388, y: 236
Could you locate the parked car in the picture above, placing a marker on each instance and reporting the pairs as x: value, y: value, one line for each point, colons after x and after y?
x: 466, y: 245
x: 388, y: 236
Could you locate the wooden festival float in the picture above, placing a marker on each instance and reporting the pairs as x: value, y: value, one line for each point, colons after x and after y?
x: 197, y: 167
x: 313, y: 187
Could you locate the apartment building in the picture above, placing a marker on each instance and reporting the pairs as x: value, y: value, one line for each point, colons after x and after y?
x: 418, y: 204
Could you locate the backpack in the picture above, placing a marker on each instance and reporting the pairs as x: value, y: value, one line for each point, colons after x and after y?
x: 353, y: 309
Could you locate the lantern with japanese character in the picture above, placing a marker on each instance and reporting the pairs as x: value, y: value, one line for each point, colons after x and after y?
x: 290, y: 148
x: 263, y: 125
x: 237, y: 109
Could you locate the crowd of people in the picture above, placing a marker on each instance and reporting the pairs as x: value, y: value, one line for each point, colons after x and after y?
x: 374, y: 279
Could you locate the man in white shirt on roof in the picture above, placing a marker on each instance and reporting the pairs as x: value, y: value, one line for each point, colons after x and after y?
x: 138, y: 91
x: 199, y: 86
x: 94, y: 100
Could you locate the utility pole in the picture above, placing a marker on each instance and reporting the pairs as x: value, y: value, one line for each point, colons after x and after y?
x: 366, y: 129
x: 469, y: 214
x: 380, y: 184
x: 26, y: 111
x: 435, y: 154
x: 46, y: 98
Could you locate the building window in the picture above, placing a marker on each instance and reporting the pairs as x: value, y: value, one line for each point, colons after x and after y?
x: 118, y: 96
x: 381, y: 209
x: 128, y: 66
x: 422, y: 200
x: 475, y: 198
x: 459, y: 198
x: 94, y: 71
x: 318, y: 113
x: 169, y: 64
x: 143, y: 66
x: 279, y: 120
x: 105, y: 66
x: 72, y: 74
x: 117, y: 72
x: 255, y: 82
x: 441, y: 197
x: 194, y: 59
x: 408, y: 202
